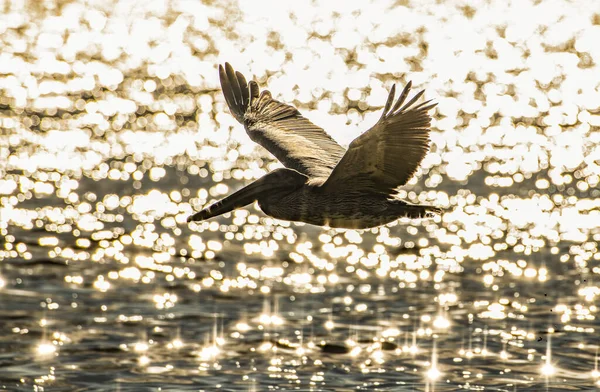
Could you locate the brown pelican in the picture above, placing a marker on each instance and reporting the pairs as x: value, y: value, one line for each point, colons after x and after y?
x: 322, y: 183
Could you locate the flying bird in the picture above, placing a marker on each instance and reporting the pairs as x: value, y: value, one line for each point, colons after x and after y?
x: 322, y: 183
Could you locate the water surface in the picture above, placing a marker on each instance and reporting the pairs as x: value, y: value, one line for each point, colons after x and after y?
x: 114, y: 129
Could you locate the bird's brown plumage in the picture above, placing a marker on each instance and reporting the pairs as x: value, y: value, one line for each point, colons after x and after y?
x: 323, y: 184
x: 281, y: 129
x: 387, y: 155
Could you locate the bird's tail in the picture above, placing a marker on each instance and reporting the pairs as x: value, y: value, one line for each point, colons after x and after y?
x: 238, y: 93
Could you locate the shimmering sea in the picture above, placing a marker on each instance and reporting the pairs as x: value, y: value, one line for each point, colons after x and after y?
x: 113, y: 130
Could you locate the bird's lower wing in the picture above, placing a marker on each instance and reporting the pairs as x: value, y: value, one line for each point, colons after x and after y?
x: 387, y: 155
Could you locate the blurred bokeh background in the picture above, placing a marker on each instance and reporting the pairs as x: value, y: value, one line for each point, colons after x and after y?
x: 113, y: 130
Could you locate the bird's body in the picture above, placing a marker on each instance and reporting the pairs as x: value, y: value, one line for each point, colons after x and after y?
x: 323, y: 184
x: 334, y: 209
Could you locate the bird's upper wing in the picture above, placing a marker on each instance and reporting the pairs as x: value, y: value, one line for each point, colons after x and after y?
x: 295, y: 141
x: 387, y: 155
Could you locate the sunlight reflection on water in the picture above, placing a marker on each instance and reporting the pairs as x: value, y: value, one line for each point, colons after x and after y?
x: 114, y: 130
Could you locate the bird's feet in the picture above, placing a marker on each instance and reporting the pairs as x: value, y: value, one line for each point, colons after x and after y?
x: 420, y: 211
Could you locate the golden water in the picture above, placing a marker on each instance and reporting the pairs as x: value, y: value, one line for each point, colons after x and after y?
x: 113, y: 130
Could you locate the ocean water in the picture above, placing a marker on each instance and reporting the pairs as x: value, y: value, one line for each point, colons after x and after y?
x: 113, y: 130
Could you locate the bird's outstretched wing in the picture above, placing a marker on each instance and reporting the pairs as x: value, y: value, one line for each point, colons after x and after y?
x: 387, y: 155
x: 295, y: 141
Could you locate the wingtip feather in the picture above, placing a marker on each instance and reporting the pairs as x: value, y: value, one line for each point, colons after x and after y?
x: 235, y: 89
x: 412, y: 101
x: 389, y: 101
x: 403, y: 96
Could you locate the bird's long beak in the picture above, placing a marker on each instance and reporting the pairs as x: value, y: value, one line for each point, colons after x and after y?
x: 238, y: 199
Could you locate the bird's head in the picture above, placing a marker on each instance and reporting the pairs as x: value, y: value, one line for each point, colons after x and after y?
x: 284, y: 178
